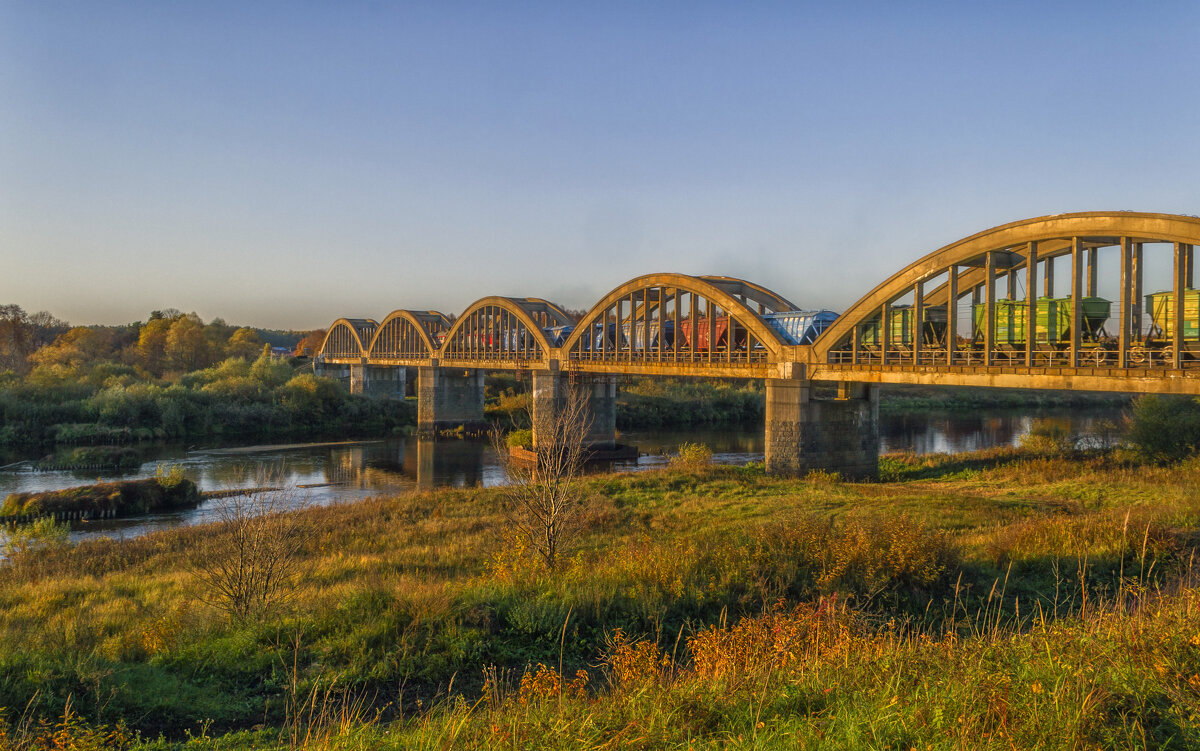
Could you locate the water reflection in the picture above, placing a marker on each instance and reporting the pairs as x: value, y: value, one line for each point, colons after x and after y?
x: 345, y: 472
x: 414, y: 463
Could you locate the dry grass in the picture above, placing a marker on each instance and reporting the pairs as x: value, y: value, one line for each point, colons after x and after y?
x: 937, y: 602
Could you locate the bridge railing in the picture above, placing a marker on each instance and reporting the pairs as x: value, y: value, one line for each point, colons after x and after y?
x: 670, y: 355
x: 1139, y: 357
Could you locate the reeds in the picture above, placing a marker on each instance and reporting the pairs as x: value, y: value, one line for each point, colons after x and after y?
x: 1033, y: 603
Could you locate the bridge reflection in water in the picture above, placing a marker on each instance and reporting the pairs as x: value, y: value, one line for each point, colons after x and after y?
x: 985, y: 311
x: 423, y: 462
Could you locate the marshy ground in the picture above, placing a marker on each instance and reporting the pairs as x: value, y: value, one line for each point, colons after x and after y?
x: 1000, y: 599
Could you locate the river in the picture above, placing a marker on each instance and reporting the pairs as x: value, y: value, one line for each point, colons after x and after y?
x: 327, y: 473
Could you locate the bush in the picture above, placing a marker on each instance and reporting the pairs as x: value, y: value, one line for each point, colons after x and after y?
x: 692, y: 456
x: 520, y: 439
x: 1049, y: 437
x: 1164, y: 428
x: 36, y: 536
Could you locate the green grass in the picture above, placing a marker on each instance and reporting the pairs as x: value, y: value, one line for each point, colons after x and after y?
x: 999, y: 599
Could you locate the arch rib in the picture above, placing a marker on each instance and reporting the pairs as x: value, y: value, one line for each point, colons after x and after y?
x: 527, y: 317
x: 427, y: 324
x: 358, y: 329
x: 714, y: 289
x: 1054, y: 235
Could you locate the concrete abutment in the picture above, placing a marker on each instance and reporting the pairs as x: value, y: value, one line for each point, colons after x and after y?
x: 804, y: 433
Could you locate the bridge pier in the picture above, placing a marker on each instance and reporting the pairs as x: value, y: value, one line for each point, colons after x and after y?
x: 836, y: 435
x: 383, y: 380
x: 448, y: 398
x: 550, y: 392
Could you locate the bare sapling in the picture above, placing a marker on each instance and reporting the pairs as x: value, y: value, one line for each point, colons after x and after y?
x: 544, y: 503
x: 250, y: 562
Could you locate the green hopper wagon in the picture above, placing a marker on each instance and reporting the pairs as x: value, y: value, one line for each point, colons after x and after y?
x: 1054, y: 316
x: 901, y: 318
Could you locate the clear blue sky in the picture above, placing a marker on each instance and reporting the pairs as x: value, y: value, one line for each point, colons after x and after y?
x: 282, y: 164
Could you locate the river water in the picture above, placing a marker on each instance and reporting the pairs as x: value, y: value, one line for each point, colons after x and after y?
x: 327, y: 473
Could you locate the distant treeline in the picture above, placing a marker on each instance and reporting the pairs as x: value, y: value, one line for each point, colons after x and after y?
x: 172, y: 377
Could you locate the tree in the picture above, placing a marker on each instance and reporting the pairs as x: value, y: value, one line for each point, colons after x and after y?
x: 311, y: 343
x: 250, y: 563
x: 152, y: 342
x: 16, y: 339
x: 243, y: 343
x: 186, y: 347
x: 545, y: 504
x: 271, y: 372
x: 82, y: 346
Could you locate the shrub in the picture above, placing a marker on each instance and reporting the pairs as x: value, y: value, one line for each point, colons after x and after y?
x: 519, y: 439
x: 36, y: 536
x: 692, y: 456
x: 250, y: 563
x: 775, y: 640
x: 823, y: 477
x: 1163, y: 428
x: 1049, y: 437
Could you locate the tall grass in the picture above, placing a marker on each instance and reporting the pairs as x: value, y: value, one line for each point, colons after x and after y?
x: 991, y: 600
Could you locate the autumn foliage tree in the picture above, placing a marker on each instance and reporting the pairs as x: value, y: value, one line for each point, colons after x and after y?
x: 21, y: 334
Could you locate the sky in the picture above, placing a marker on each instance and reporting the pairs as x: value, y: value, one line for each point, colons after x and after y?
x: 285, y: 164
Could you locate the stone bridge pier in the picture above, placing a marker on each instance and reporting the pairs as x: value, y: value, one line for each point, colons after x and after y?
x: 375, y: 380
x: 836, y: 435
x: 448, y: 398
x: 382, y: 380
x: 551, y: 389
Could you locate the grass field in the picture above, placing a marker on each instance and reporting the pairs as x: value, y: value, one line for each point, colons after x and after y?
x: 990, y: 600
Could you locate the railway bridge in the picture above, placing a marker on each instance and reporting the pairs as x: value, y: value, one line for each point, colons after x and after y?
x: 1020, y: 305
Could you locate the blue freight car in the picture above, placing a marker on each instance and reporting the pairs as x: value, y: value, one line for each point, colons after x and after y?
x: 800, y: 326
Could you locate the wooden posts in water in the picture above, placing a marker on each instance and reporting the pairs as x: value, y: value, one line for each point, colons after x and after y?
x: 77, y: 515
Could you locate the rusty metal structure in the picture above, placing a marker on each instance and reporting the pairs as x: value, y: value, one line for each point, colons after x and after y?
x: 909, y: 329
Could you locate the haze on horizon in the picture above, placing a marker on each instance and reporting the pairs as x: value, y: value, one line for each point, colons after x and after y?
x: 283, y: 164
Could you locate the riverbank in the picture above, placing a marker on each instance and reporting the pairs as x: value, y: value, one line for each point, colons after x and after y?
x: 699, y: 604
x: 235, y: 401
x: 676, y: 403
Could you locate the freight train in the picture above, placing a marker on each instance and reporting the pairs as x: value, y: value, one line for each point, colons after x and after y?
x: 1054, y: 318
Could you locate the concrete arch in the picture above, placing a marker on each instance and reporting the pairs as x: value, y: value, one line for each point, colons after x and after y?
x: 769, y: 301
x: 529, y: 316
x: 1053, y: 234
x: 715, y: 289
x: 424, y: 325
x: 342, y: 332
